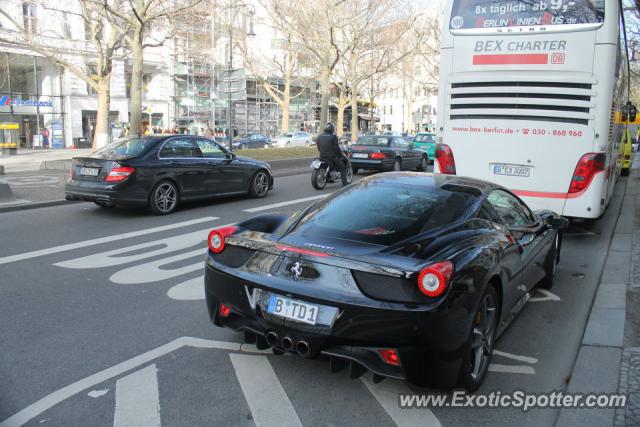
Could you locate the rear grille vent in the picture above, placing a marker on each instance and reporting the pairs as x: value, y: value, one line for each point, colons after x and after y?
x: 611, y: 120
x: 566, y: 102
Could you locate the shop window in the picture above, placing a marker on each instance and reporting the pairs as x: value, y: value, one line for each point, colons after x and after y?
x: 30, y: 17
x: 22, y: 74
x: 4, y: 73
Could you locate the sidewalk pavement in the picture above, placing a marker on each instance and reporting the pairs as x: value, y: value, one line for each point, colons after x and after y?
x: 31, y: 160
x: 608, y: 360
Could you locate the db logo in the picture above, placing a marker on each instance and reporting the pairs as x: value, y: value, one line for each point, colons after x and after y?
x: 525, y: 131
x: 557, y: 58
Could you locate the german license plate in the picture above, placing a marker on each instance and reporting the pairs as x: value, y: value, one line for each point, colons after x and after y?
x: 360, y: 155
x: 523, y: 171
x: 88, y: 171
x: 293, y: 309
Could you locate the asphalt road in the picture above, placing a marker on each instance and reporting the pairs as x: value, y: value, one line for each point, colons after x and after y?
x: 104, y: 323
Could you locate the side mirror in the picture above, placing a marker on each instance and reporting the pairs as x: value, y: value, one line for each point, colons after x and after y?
x: 231, y: 156
x: 558, y: 222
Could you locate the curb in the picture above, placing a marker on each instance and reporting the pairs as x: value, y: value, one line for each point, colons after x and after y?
x: 36, y: 205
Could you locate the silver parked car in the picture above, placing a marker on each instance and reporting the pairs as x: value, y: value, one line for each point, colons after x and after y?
x: 293, y: 139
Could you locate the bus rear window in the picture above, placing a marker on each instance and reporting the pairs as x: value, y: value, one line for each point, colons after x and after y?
x: 476, y: 14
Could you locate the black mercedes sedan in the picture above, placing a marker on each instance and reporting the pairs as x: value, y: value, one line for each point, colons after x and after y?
x: 386, y: 153
x: 408, y: 275
x: 162, y: 171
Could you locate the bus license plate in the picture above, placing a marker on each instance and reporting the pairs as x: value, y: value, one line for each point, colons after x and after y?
x: 523, y: 171
x: 293, y: 309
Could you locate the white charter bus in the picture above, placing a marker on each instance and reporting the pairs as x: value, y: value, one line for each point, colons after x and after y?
x: 527, y: 95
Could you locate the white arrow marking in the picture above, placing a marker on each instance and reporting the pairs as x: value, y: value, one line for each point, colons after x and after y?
x: 107, y: 239
x: 512, y: 369
x: 152, y: 272
x: 191, y: 290
x: 548, y: 296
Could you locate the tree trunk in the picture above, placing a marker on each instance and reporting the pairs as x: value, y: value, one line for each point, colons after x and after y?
x: 340, y: 120
x: 324, y: 98
x: 284, y: 123
x: 101, y: 136
x: 354, y: 114
x: 135, y: 125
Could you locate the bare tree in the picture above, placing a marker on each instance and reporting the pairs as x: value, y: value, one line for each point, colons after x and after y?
x: 99, y: 50
x: 135, y: 19
x: 278, y: 75
x: 316, y: 24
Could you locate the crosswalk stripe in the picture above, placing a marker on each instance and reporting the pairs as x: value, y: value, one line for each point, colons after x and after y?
x: 387, y: 392
x: 268, y: 402
x: 107, y: 239
x: 287, y: 203
x: 137, y: 400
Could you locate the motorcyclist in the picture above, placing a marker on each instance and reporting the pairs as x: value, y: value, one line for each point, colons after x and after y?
x: 330, y: 152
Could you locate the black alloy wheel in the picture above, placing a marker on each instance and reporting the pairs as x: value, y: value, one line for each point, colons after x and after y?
x: 164, y: 198
x: 259, y: 184
x: 479, y: 347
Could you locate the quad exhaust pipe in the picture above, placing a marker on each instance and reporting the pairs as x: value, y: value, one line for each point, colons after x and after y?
x: 303, y: 348
x: 272, y: 338
x: 287, y: 343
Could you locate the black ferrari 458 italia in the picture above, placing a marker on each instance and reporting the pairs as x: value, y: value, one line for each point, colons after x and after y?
x: 408, y: 275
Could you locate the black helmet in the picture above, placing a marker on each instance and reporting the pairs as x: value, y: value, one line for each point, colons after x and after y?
x: 330, y: 128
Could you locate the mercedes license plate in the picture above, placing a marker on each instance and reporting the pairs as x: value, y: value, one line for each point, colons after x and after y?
x: 88, y: 171
x: 360, y: 155
x: 293, y: 309
x: 510, y: 170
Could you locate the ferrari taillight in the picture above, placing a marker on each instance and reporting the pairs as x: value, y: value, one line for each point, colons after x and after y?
x: 225, y: 310
x: 390, y: 356
x: 434, y: 279
x: 216, y: 239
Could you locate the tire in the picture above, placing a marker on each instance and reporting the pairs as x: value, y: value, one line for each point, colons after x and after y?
x: 424, y: 162
x: 349, y: 171
x: 550, y: 264
x: 355, y: 170
x: 481, y: 340
x: 164, y: 198
x: 397, y: 166
x: 319, y: 178
x: 259, y: 186
x: 625, y: 171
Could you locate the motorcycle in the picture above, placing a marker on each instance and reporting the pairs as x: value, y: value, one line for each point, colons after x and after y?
x: 322, y: 174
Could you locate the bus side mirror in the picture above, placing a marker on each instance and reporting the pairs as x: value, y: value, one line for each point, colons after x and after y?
x: 629, y: 112
x: 632, y: 113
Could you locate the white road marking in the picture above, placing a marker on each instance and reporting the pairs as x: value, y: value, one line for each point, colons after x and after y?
x: 137, y: 399
x: 548, y: 296
x: 23, y: 416
x: 290, y: 202
x: 517, y: 357
x: 386, y: 393
x: 97, y: 393
x: 107, y: 239
x: 267, y: 400
x: 152, y: 272
x: 512, y: 369
x: 119, y: 256
x: 190, y: 290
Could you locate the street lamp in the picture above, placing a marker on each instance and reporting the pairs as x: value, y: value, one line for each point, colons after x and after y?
x: 251, y: 33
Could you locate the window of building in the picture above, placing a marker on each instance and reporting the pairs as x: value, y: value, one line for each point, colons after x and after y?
x: 66, y: 26
x: 30, y: 17
x: 391, y: 109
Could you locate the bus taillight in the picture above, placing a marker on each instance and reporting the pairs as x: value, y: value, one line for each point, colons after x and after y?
x: 588, y: 166
x: 444, y: 157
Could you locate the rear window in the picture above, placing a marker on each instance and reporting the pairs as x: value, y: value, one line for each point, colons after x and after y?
x: 381, y: 141
x: 127, y: 147
x: 384, y: 213
x: 425, y: 138
x: 473, y: 14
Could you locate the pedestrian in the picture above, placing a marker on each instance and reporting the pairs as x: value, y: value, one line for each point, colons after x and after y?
x: 146, y: 129
x: 45, y: 137
x: 235, y: 131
